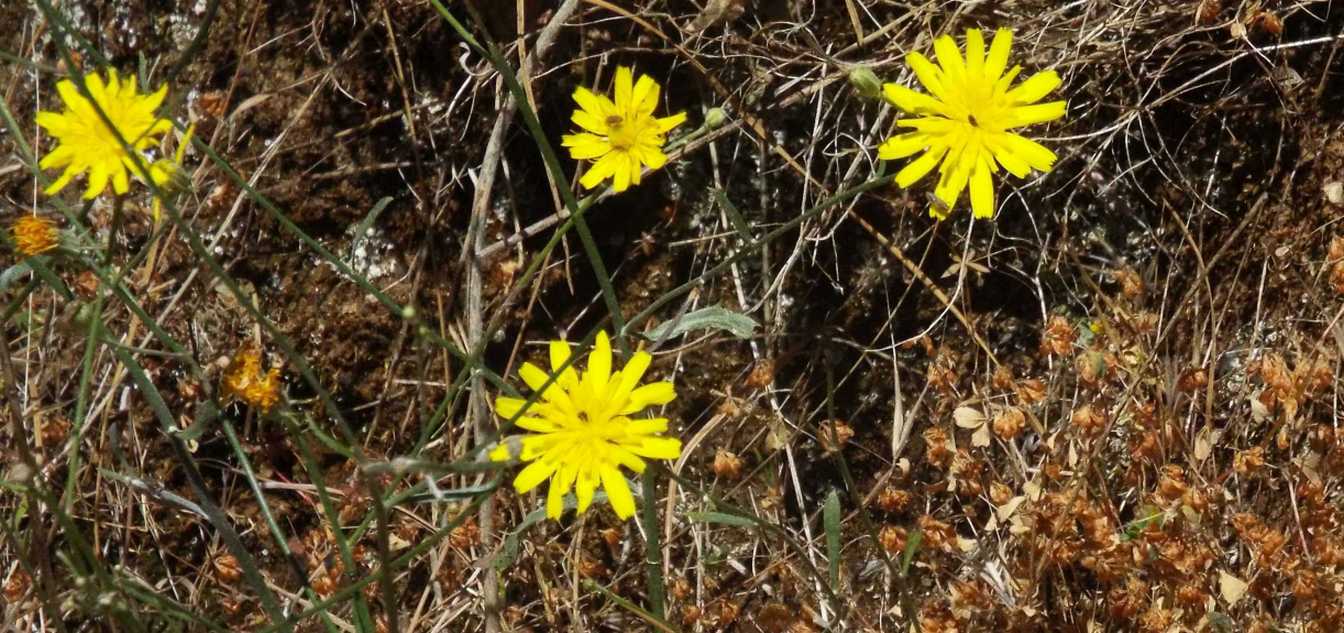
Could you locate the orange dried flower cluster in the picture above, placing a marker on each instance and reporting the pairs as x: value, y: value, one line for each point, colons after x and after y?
x: 35, y: 234
x: 245, y: 381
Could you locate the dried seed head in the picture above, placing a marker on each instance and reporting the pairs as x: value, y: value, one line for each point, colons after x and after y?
x: 727, y: 465
x: 892, y: 538
x: 833, y: 435
x: 1131, y: 284
x: 1009, y: 423
x: 1249, y: 461
x: 893, y: 500
x: 1003, y: 379
x: 34, y: 234
x: 937, y: 450
x: 466, y: 535
x: 1000, y: 493
x: 226, y: 569
x: 762, y: 374
x: 1089, y: 420
x: 16, y: 587
x: 1031, y: 391
x: 1058, y: 337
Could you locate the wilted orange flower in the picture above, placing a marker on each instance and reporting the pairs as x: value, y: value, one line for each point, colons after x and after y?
x: 245, y: 381
x: 35, y: 234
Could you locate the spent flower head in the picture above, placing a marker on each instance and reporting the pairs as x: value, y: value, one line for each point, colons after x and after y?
x: 85, y: 141
x: 621, y: 136
x: 245, y: 381
x: 582, y: 432
x: 168, y: 174
x: 35, y: 234
x: 966, y: 121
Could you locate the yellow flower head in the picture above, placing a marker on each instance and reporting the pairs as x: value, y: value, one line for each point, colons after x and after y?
x: 582, y: 432
x: 966, y: 121
x: 621, y: 136
x: 244, y: 380
x: 34, y: 234
x: 86, y: 143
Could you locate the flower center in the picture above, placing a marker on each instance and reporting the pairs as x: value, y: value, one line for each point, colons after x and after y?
x: 621, y: 135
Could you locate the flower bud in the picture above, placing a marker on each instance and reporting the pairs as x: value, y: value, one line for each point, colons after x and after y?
x: 865, y: 81
x: 715, y: 117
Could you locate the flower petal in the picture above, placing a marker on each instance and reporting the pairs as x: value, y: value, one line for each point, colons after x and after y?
x: 533, y: 474
x: 70, y: 94
x: 620, y: 176
x: 599, y: 366
x: 949, y: 57
x: 560, y: 352
x: 534, y: 376
x: 647, y: 426
x: 982, y: 190
x: 98, y: 177
x: 1040, y: 113
x: 585, y: 487
x: 56, y: 124
x: 618, y: 492
x: 1035, y: 87
x: 653, y: 157
x: 998, y: 147
x: 1032, y: 153
x: 596, y: 105
x: 927, y: 73
x: 665, y: 124
x: 911, y: 101
x: 997, y: 60
x: 537, y: 425
x: 630, y: 376
x: 657, y: 393
x: 624, y: 88
x: 918, y: 168
x: 951, y: 183
x: 507, y: 407
x: 644, y: 99
x: 657, y: 448
x: 589, y: 121
x: 902, y: 146
x: 120, y: 183
x: 975, y: 54
x: 584, y: 146
x: 561, y: 482
x: 601, y: 170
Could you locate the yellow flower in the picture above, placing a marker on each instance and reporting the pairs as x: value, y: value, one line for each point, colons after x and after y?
x: 86, y: 143
x: 965, y: 121
x: 34, y: 234
x: 243, y: 380
x: 623, y: 136
x: 582, y: 430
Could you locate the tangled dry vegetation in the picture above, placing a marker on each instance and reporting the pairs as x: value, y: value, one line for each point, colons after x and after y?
x: 1113, y: 408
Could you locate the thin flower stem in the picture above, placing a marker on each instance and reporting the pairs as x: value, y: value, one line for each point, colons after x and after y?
x: 649, y: 514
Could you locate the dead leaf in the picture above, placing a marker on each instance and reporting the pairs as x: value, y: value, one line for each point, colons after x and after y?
x: 1007, y: 510
x: 1259, y: 412
x: 968, y: 418
x: 980, y: 438
x: 1231, y: 587
x: 1204, y: 442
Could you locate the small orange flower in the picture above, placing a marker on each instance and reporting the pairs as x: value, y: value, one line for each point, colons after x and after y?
x: 245, y: 381
x: 35, y: 234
